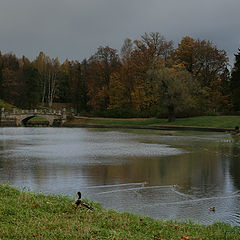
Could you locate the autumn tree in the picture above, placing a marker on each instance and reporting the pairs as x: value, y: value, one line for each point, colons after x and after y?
x: 10, y: 61
x: 49, y: 76
x: 174, y: 87
x: 126, y: 50
x: 186, y: 54
x: 41, y: 64
x: 207, y: 64
x: 141, y: 92
x: 145, y: 50
x: 119, y: 95
x: 100, y: 67
x: 125, y: 78
x: 201, y: 58
x: 10, y: 85
x: 157, y: 43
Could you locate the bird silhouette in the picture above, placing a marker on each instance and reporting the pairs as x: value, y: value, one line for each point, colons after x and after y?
x: 212, y: 209
x: 80, y: 202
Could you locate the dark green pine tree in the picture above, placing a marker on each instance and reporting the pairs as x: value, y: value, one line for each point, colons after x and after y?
x: 79, y: 92
x: 32, y: 86
x: 1, y: 77
x: 235, y: 83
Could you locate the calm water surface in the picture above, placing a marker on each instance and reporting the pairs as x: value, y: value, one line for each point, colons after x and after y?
x: 162, y: 174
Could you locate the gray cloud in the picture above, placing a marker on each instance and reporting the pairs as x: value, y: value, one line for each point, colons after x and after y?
x: 76, y: 28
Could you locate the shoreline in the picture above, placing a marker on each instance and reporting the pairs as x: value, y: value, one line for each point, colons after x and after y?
x: 202, y: 123
x: 160, y: 127
x: 29, y: 215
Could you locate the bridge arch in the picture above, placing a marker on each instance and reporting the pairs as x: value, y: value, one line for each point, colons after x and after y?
x: 23, y: 121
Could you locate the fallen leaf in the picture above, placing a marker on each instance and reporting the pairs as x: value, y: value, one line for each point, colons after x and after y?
x: 176, y: 227
x: 35, y: 234
x: 186, y: 238
x: 34, y: 205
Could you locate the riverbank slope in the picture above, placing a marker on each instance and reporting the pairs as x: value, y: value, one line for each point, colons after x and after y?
x: 27, y: 215
x: 203, y: 123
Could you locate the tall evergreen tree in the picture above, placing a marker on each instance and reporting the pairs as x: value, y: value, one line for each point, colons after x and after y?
x: 1, y: 76
x: 31, y: 85
x: 235, y: 82
x: 79, y: 86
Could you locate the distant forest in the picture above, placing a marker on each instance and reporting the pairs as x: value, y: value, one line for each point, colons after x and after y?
x: 146, y: 78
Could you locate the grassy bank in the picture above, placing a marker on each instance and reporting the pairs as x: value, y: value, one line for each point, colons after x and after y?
x: 38, y: 120
x: 27, y: 215
x: 226, y: 122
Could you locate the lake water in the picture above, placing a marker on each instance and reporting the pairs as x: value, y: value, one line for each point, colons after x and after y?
x: 161, y: 174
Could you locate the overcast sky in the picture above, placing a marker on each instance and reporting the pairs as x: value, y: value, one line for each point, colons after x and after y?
x: 74, y: 29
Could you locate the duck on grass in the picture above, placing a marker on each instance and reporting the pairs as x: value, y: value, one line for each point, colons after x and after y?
x: 80, y: 202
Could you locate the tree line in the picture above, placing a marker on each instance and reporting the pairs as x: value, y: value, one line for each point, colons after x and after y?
x: 147, y: 77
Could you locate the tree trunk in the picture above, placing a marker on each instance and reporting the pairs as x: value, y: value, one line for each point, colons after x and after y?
x: 43, y: 91
x: 171, y: 113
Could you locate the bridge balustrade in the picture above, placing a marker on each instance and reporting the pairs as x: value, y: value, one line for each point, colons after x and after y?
x: 20, y: 117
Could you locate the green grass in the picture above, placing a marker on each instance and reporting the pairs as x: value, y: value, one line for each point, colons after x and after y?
x: 209, y: 121
x: 145, y: 122
x: 38, y: 119
x: 27, y: 215
x: 203, y: 121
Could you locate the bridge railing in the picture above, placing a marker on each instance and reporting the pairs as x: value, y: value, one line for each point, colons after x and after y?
x: 16, y: 111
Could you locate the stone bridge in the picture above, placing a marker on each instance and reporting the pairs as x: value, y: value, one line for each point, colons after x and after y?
x: 21, y: 117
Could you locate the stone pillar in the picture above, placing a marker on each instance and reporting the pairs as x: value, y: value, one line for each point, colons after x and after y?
x: 2, y: 116
x: 50, y: 123
x: 18, y: 122
x: 64, y: 115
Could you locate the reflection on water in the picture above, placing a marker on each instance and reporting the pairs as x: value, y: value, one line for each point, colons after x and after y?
x: 162, y: 174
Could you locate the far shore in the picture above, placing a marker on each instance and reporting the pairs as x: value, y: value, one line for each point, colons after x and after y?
x: 163, y: 127
x: 203, y: 123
